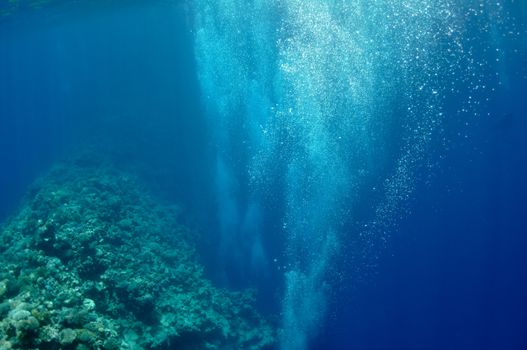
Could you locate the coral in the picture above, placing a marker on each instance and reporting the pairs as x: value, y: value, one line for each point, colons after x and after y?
x: 92, y: 261
x: 67, y: 336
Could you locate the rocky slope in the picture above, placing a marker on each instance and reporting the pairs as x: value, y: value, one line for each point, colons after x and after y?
x: 92, y: 261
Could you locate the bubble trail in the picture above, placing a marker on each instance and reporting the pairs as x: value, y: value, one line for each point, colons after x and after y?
x: 330, y: 97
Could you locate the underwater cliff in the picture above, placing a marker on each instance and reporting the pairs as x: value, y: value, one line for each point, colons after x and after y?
x: 92, y: 261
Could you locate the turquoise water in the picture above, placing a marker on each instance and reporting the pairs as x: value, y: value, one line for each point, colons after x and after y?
x: 359, y: 163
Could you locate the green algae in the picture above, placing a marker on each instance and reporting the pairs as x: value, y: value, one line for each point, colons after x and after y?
x: 92, y: 261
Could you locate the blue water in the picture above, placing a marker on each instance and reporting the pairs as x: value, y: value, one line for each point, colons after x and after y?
x: 361, y: 164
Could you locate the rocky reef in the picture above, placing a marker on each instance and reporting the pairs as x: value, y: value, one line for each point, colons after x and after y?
x: 92, y: 261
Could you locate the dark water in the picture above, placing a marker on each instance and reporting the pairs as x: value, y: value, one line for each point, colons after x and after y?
x: 363, y: 165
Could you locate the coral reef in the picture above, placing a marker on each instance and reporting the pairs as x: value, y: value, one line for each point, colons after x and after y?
x: 92, y: 261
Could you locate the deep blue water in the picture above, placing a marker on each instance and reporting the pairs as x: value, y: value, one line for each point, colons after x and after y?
x: 362, y: 165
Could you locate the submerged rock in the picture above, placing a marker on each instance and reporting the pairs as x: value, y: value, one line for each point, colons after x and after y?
x: 91, y: 261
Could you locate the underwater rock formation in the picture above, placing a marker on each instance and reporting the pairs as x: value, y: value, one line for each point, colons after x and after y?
x: 91, y: 261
